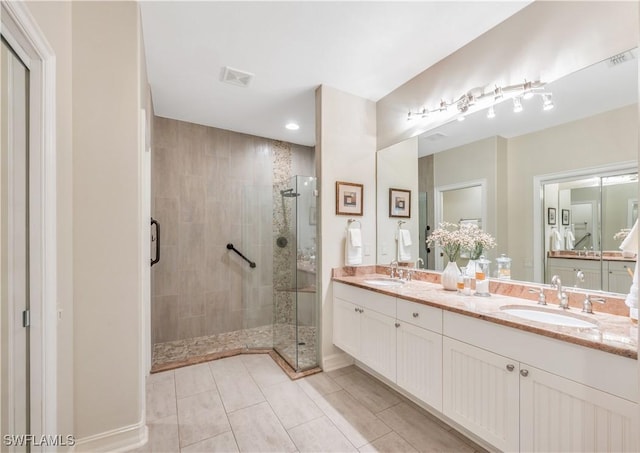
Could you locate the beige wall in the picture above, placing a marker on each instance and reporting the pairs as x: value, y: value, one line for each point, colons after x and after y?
x: 54, y: 19
x: 396, y: 168
x: 106, y: 217
x: 346, y: 145
x: 603, y: 139
x: 545, y: 40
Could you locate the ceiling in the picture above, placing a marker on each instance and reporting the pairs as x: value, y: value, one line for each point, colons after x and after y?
x: 598, y: 88
x: 364, y: 48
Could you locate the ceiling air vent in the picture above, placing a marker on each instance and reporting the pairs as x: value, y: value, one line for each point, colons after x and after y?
x: 620, y: 58
x: 236, y: 77
x: 434, y: 137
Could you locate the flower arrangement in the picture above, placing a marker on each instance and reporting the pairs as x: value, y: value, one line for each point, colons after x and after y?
x: 455, y: 238
x: 622, y: 234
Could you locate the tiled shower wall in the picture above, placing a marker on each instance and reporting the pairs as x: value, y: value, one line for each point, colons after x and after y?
x: 211, y: 187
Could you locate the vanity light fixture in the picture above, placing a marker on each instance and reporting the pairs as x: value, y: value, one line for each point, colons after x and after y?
x: 517, y: 105
x: 478, y: 98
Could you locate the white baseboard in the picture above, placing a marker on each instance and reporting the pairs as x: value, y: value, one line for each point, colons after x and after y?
x: 120, y: 440
x: 335, y: 361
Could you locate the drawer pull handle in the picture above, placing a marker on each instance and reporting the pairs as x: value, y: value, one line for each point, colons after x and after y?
x: 524, y: 373
x: 397, y: 324
x: 415, y: 315
x: 510, y: 367
x: 356, y: 309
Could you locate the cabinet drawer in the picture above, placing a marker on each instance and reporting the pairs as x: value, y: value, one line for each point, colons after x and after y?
x: 367, y: 299
x: 420, y: 315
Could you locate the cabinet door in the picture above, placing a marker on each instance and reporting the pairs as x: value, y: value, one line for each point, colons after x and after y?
x: 346, y: 326
x: 557, y: 414
x: 480, y: 392
x: 619, y: 280
x: 378, y: 342
x: 419, y: 363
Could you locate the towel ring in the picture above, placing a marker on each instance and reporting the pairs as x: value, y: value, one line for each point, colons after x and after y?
x: 351, y: 221
x: 400, y: 222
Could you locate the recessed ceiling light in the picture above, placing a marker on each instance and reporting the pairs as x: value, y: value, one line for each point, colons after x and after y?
x: 292, y: 126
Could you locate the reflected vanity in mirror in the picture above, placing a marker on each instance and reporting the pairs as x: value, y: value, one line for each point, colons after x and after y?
x: 503, y: 169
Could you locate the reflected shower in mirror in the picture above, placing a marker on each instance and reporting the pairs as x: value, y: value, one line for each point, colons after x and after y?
x: 592, y: 131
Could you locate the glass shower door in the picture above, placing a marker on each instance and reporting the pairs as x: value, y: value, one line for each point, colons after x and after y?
x: 295, y: 307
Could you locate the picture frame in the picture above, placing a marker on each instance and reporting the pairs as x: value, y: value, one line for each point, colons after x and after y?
x: 565, y: 217
x: 399, y: 203
x: 349, y: 198
x: 551, y: 216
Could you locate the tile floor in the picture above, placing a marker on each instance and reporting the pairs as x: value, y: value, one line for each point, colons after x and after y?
x: 247, y: 403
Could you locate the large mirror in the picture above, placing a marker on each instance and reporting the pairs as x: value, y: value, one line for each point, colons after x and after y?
x: 510, y: 172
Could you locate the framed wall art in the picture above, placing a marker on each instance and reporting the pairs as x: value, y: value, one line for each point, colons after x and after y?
x: 399, y: 203
x: 349, y: 198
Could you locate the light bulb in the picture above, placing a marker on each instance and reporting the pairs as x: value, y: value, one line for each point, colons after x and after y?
x: 491, y: 113
x: 461, y: 118
x: 517, y: 105
x: 292, y: 126
x: 547, y: 102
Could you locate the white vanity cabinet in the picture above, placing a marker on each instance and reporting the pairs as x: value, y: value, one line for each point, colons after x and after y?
x: 572, y: 399
x: 480, y: 392
x: 618, y: 278
x: 364, y: 326
x: 419, y: 351
x: 567, y: 268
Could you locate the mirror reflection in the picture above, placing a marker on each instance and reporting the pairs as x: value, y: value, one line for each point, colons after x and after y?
x: 579, y: 158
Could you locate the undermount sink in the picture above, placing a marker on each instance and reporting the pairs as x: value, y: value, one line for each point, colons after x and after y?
x: 548, y: 316
x: 384, y: 281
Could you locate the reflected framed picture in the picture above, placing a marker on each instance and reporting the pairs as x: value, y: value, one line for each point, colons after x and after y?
x: 349, y: 198
x: 565, y: 217
x: 399, y: 203
x: 551, y: 216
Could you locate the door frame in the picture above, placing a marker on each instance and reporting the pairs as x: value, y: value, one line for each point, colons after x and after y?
x: 23, y: 34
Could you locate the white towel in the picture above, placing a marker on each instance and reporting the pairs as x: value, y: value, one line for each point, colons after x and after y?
x: 630, y: 244
x: 404, y: 245
x: 355, y: 237
x: 569, y: 240
x: 556, y: 240
x: 353, y: 253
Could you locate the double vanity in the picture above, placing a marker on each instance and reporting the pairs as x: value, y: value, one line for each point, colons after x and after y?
x: 514, y: 374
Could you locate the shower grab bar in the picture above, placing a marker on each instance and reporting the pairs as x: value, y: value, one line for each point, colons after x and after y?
x: 251, y: 263
x: 156, y: 239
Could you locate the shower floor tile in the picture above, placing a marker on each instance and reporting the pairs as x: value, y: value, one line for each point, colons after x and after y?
x: 171, y: 354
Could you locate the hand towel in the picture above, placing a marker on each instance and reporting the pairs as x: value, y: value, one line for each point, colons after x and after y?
x: 569, y: 240
x: 353, y: 253
x: 630, y: 244
x: 556, y: 240
x: 404, y: 245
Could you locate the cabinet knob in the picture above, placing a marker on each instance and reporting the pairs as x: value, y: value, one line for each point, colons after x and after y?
x: 397, y: 324
x: 415, y: 315
x: 524, y: 373
x: 510, y: 367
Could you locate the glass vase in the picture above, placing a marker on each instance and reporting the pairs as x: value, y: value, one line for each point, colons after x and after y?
x: 449, y: 277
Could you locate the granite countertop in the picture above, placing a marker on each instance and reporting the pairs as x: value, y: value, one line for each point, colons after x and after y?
x: 615, y: 334
x: 606, y: 256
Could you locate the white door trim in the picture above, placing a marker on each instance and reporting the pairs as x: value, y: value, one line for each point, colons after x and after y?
x: 23, y: 34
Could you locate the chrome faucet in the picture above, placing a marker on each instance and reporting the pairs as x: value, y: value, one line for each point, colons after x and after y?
x: 587, y: 306
x: 421, y: 261
x: 394, y: 268
x: 563, y: 298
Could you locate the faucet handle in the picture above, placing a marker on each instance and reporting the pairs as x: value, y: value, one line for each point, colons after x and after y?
x: 587, y: 306
x: 542, y: 299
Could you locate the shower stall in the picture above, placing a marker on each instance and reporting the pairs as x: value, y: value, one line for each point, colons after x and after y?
x: 237, y: 268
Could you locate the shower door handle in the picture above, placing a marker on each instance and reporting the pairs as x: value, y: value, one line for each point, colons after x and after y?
x: 156, y: 239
